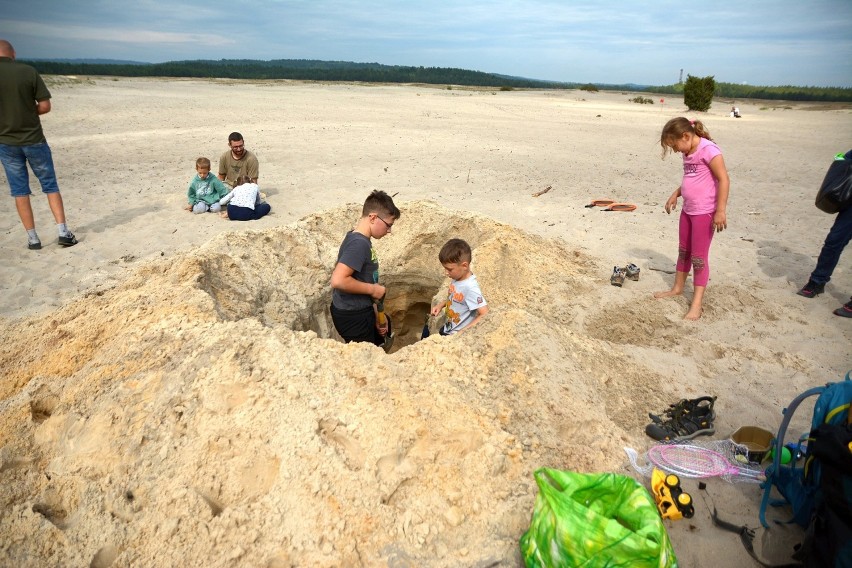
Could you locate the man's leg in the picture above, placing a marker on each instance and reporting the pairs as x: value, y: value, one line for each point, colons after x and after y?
x: 56, y: 207
x: 25, y: 211
x: 14, y: 162
x: 836, y: 240
x: 41, y: 161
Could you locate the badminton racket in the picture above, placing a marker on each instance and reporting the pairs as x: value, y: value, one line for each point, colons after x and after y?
x: 689, y: 460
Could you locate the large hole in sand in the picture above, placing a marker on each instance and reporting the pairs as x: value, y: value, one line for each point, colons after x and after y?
x: 282, y: 278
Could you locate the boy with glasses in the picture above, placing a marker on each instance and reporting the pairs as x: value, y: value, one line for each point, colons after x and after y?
x: 355, y: 279
x: 237, y: 162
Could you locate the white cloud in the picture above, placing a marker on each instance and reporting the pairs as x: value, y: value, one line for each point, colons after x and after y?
x: 111, y: 34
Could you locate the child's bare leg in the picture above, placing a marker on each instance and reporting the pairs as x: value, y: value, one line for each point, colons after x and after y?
x: 677, y: 287
x: 695, y: 308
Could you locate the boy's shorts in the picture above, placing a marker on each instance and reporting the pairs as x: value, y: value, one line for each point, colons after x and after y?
x: 358, y: 325
x: 15, y: 158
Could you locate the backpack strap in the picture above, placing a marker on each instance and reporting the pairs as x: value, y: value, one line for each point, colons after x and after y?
x: 778, y: 445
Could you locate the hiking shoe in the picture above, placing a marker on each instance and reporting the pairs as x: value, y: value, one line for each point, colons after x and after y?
x: 844, y: 311
x: 811, y: 289
x: 618, y: 276
x: 633, y: 271
x: 701, y: 406
x: 68, y: 240
x: 34, y: 246
x: 687, y: 419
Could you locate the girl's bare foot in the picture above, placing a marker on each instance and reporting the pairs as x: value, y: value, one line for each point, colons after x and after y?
x: 695, y: 309
x: 223, y: 214
x: 693, y: 315
x: 667, y: 294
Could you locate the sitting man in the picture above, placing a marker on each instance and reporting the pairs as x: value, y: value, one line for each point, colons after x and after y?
x: 237, y: 162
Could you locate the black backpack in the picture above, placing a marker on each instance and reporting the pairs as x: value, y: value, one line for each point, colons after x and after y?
x: 828, y: 538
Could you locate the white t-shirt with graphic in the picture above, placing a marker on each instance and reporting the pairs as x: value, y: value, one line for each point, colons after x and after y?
x: 463, y: 300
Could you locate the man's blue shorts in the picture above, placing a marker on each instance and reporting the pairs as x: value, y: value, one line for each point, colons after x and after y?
x: 15, y: 158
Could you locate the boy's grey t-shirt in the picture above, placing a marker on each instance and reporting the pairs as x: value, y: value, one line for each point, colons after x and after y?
x: 357, y: 252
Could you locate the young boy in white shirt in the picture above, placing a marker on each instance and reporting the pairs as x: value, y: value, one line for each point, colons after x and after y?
x: 465, y: 305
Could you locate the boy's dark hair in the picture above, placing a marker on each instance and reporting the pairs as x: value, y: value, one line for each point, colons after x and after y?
x: 455, y: 250
x: 234, y: 137
x: 202, y: 162
x: 380, y: 202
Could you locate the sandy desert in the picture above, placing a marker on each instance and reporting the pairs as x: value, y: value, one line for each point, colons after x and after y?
x: 173, y: 392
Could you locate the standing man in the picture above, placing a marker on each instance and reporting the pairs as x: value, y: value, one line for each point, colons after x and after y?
x: 23, y: 98
x: 237, y: 162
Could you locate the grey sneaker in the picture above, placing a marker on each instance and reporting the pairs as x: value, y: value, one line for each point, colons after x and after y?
x: 34, y: 246
x: 811, y: 289
x: 844, y: 311
x: 68, y: 240
x: 633, y: 271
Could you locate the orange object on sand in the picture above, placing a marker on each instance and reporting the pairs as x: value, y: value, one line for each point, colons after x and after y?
x: 621, y: 207
x: 601, y: 203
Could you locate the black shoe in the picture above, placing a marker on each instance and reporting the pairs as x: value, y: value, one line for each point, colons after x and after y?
x: 811, y: 289
x: 34, y: 246
x: 68, y: 240
x: 684, y: 420
x: 701, y: 406
x: 844, y: 311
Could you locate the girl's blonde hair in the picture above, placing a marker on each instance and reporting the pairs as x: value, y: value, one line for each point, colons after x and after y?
x: 675, y: 129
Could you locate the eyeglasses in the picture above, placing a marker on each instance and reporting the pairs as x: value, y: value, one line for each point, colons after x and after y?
x: 388, y: 225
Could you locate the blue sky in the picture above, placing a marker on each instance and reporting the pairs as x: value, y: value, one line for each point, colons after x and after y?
x: 758, y: 42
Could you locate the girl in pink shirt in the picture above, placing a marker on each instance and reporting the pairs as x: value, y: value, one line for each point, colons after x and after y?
x: 704, y: 190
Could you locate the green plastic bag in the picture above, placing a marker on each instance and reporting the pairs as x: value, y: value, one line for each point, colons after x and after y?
x: 594, y: 520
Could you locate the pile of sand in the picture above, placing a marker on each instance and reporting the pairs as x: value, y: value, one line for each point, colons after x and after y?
x: 199, y: 409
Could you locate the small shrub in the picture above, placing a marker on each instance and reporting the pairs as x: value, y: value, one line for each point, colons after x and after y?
x: 507, y: 88
x: 642, y: 101
x: 449, y: 87
x: 698, y: 93
x: 589, y: 87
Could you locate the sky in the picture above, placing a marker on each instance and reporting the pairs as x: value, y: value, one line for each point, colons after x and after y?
x: 758, y: 42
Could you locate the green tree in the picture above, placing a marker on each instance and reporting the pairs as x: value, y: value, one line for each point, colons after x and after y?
x: 698, y: 93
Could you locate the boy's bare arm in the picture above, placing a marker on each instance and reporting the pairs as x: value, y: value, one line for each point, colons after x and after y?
x: 341, y: 279
x: 480, y: 313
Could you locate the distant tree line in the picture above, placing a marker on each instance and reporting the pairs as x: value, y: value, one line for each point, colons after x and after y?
x: 315, y: 70
x: 785, y: 93
x: 300, y: 69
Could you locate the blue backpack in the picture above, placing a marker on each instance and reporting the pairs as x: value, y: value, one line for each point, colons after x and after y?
x: 799, y: 480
